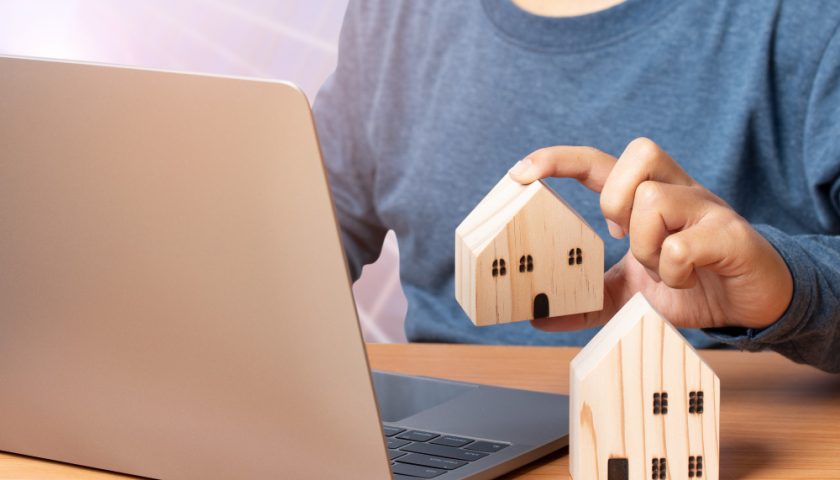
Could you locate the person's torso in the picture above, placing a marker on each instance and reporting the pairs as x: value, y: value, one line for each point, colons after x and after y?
x: 465, y: 89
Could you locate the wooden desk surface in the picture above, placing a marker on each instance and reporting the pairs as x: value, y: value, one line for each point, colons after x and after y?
x: 779, y: 420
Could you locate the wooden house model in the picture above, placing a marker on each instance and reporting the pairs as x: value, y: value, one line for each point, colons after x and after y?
x: 524, y: 253
x: 643, y: 404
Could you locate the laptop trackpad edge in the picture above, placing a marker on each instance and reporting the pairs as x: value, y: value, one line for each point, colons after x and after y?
x: 402, y: 396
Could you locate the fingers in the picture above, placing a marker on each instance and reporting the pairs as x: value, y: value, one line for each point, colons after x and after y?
x: 588, y: 165
x: 689, y: 251
x: 616, y: 180
x: 641, y: 161
x: 712, y: 245
x: 658, y: 210
x: 675, y: 230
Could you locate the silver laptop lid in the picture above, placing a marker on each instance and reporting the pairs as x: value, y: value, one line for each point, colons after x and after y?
x: 174, y: 301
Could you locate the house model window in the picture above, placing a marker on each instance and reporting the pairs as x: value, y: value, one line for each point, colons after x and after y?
x: 575, y: 256
x: 660, y: 403
x: 526, y: 263
x: 695, y: 467
x: 695, y: 402
x: 659, y: 468
x: 499, y: 267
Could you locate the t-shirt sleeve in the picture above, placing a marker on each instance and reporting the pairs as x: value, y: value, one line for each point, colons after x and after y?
x: 809, y: 331
x: 340, y: 112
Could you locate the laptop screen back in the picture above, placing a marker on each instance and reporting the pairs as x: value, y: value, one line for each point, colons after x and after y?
x: 174, y: 300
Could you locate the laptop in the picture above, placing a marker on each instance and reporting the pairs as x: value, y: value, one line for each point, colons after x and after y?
x: 175, y: 301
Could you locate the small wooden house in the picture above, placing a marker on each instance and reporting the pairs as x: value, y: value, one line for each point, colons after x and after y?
x: 643, y: 404
x: 524, y: 253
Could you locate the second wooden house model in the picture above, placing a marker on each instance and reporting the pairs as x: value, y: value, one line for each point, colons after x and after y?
x: 524, y: 253
x: 643, y: 404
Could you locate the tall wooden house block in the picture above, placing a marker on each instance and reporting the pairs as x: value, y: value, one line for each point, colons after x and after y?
x: 643, y: 404
x: 524, y: 253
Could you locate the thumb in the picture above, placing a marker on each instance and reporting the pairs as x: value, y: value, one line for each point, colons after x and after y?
x: 617, y: 291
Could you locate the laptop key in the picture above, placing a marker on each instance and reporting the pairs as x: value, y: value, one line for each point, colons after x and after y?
x: 418, y: 436
x: 392, y: 454
x: 489, y: 447
x: 452, y: 441
x: 391, y: 431
x: 444, y: 451
x: 397, y: 443
x: 417, y: 471
x: 430, y: 461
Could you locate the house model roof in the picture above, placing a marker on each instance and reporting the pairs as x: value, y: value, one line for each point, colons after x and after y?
x: 624, y: 321
x: 498, y: 208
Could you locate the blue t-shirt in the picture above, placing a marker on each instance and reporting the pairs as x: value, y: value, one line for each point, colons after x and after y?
x: 433, y: 101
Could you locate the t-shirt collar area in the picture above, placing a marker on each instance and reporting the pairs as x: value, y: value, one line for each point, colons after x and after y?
x: 578, y: 33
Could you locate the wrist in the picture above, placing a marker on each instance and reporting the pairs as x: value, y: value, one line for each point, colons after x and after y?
x: 780, y: 280
x: 794, y: 283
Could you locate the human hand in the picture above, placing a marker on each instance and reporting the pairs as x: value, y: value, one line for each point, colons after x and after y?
x: 693, y: 257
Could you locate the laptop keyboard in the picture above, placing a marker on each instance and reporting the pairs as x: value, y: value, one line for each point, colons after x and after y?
x: 419, y: 454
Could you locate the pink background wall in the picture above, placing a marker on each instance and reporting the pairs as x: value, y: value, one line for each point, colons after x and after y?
x: 278, y: 39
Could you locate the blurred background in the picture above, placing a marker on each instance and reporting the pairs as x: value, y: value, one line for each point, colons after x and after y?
x: 293, y: 40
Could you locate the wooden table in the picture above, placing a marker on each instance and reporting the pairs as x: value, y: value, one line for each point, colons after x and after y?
x: 779, y: 420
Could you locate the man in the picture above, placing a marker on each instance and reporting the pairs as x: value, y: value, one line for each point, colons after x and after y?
x: 734, y: 229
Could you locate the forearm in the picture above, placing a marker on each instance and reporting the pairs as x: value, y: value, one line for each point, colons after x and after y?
x: 809, y: 330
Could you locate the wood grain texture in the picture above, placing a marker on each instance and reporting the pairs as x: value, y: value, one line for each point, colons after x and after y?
x: 779, y: 420
x: 522, y: 242
x: 630, y: 398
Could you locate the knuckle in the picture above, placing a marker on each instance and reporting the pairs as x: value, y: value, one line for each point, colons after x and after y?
x: 718, y: 217
x: 543, y: 158
x: 676, y: 250
x: 730, y: 223
x: 611, y: 206
x: 540, y: 156
x: 739, y: 229
x: 645, y: 148
x: 648, y: 193
x: 541, y: 153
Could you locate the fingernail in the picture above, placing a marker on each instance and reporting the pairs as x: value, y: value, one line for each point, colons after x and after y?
x: 615, y: 229
x: 521, y: 167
